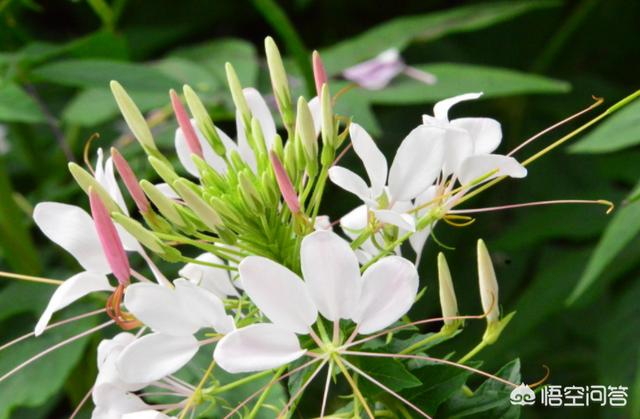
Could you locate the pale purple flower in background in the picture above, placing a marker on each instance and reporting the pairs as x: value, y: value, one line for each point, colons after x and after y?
x: 378, y: 72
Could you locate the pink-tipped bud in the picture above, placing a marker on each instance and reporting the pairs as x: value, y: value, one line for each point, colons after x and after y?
x: 130, y: 180
x: 319, y: 73
x: 184, y: 122
x: 285, y: 185
x: 110, y: 240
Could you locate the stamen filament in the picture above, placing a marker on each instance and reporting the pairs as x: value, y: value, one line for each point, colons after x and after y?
x: 598, y: 101
x: 354, y: 386
x: 30, y: 278
x: 302, y: 388
x: 54, y: 347
x: 387, y: 389
x: 609, y: 204
x: 325, y: 394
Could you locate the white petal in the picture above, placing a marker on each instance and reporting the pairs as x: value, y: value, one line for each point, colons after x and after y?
x: 107, y: 179
x: 355, y: 221
x: 316, y: 113
x: 377, y: 72
x: 203, y: 306
x: 278, y: 293
x: 417, y: 163
x: 213, y: 279
x: 184, y: 154
x: 69, y: 291
x: 374, y: 161
x: 441, y: 109
x: 389, y: 289
x: 146, y: 414
x: 258, y: 347
x: 261, y: 112
x: 323, y: 222
x: 350, y: 182
x: 167, y: 190
x: 108, y: 353
x: 72, y: 228
x: 155, y: 356
x: 486, y: 133
x: 477, y: 166
x: 331, y: 272
x: 160, y: 309
x: 107, y: 347
x: 458, y: 145
x: 395, y: 218
x: 114, y: 401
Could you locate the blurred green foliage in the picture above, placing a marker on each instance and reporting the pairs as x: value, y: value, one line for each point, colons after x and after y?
x: 569, y: 271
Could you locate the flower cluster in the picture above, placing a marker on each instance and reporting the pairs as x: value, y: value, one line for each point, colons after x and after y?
x: 263, y: 284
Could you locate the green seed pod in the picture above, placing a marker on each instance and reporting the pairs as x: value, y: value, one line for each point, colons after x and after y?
x: 134, y: 118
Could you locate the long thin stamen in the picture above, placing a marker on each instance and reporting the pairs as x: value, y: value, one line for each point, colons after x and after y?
x: 54, y: 347
x: 354, y: 386
x: 385, y: 388
x: 598, y: 102
x: 609, y: 204
x: 82, y: 403
x: 404, y: 326
x: 30, y: 278
x: 326, y: 390
x: 302, y: 388
x: 435, y: 360
x: 51, y: 326
x: 263, y: 388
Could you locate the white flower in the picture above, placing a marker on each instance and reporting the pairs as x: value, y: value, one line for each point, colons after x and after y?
x: 174, y: 315
x: 417, y: 163
x: 216, y: 280
x: 332, y: 286
x: 469, y: 143
x: 112, y: 402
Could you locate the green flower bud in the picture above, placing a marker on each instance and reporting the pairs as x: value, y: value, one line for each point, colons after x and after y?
x: 328, y: 123
x: 164, y: 170
x: 448, y: 302
x: 203, y: 210
x: 249, y: 192
x: 224, y: 210
x: 203, y: 120
x: 86, y: 182
x: 488, y: 284
x: 306, y: 134
x: 144, y: 236
x: 167, y: 207
x: 279, y: 81
x: 237, y: 95
x: 132, y: 115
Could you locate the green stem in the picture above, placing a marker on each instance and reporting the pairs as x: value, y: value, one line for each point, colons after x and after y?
x: 217, y: 390
x: 424, y: 342
x: 479, y: 347
x: 265, y: 393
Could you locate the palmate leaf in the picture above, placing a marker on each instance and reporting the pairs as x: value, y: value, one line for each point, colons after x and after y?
x: 399, y: 32
x: 489, y: 401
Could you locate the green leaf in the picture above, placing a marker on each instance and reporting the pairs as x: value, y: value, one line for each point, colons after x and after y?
x: 390, y: 372
x: 624, y: 226
x: 399, y: 32
x: 620, y: 131
x: 490, y: 400
x: 17, y: 106
x: 37, y: 383
x: 98, y: 74
x: 188, y: 72
x: 439, y: 382
x: 95, y: 106
x: 455, y: 79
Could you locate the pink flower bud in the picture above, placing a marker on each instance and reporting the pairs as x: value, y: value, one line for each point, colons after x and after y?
x: 319, y: 73
x: 184, y: 122
x: 109, y: 238
x: 130, y: 180
x: 285, y: 185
